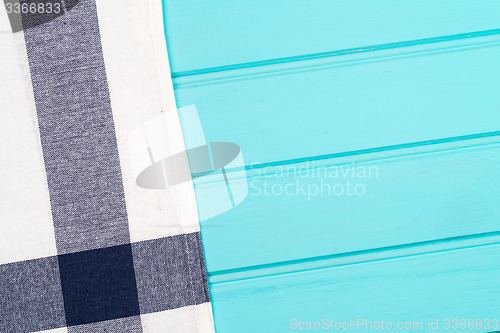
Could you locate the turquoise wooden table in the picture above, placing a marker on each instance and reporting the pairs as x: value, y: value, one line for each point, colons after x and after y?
x: 370, y: 133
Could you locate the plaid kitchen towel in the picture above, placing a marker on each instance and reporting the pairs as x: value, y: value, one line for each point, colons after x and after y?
x: 83, y: 248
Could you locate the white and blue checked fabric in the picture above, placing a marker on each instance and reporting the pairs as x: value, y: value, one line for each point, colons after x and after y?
x: 82, y: 247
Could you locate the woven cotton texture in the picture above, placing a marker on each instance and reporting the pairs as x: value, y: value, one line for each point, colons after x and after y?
x: 84, y: 249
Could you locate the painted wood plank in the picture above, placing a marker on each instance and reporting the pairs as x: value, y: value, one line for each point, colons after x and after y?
x: 408, y: 88
x: 204, y: 34
x: 353, y: 107
x: 460, y: 284
x: 298, y: 213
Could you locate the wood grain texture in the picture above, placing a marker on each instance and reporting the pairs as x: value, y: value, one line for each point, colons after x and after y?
x: 353, y: 107
x: 460, y: 284
x: 408, y: 88
x: 407, y: 199
x: 204, y: 33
